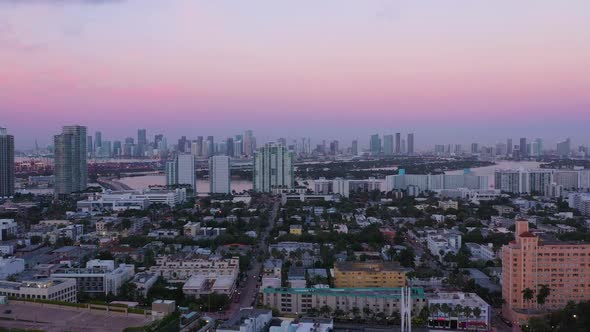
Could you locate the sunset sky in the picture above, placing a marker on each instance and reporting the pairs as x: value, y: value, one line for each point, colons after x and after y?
x: 450, y: 71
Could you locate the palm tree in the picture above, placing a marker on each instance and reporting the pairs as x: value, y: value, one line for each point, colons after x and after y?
x: 542, y: 294
x: 477, y: 312
x: 435, y: 309
x: 527, y: 294
x: 325, y: 311
x: 445, y: 309
x: 459, y: 310
x: 356, y: 311
x: 367, y: 312
x: 468, y: 311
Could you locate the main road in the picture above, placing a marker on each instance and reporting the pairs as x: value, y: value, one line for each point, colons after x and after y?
x: 247, y: 292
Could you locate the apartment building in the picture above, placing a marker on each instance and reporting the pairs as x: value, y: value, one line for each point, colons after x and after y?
x: 301, y: 300
x: 179, y: 269
x: 54, y: 289
x: 468, y: 311
x: 443, y: 243
x: 481, y: 251
x: 529, y: 262
x: 369, y: 275
x: 97, y: 279
x: 8, y: 228
x: 445, y: 205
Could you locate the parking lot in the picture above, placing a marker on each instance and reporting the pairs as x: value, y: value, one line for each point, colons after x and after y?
x: 58, y: 319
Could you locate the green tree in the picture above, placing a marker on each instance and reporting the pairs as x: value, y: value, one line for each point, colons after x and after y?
x: 477, y: 312
x: 543, y: 293
x: 528, y: 294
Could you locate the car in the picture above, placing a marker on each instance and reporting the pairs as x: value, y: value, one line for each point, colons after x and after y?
x: 7, y: 311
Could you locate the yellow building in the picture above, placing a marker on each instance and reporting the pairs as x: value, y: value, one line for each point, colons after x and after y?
x: 369, y: 275
x: 296, y: 229
x: 448, y: 205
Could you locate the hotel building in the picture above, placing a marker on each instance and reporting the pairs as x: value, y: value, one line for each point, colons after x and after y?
x: 530, y: 262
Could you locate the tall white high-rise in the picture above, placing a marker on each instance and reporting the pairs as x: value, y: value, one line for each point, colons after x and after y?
x: 219, y: 175
x: 71, y: 169
x: 273, y: 168
x: 181, y: 171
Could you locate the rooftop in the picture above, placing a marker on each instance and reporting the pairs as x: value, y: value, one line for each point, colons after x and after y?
x: 369, y: 266
x: 235, y: 321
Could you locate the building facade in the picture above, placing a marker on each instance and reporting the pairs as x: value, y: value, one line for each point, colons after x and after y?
x: 182, y: 171
x: 529, y: 263
x: 181, y: 269
x: 54, y: 289
x: 349, y: 300
x: 71, y: 169
x: 369, y: 275
x: 6, y: 164
x: 273, y: 168
x: 219, y: 175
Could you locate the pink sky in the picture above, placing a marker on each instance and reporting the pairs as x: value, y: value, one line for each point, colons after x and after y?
x: 215, y: 67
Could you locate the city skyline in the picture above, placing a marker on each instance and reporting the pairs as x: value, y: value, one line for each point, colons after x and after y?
x: 364, y: 141
x: 490, y: 70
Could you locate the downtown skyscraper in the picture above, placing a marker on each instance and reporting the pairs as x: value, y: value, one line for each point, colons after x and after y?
x: 523, y: 148
x: 273, y: 168
x: 71, y: 169
x: 141, y: 142
x: 388, y: 145
x: 410, y: 148
x: 6, y: 163
x: 375, y: 145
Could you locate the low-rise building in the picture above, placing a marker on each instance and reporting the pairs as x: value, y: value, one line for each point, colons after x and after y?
x: 11, y: 266
x: 296, y: 229
x: 200, y: 284
x: 289, y: 247
x: 192, y: 229
x: 163, y: 308
x: 247, y: 320
x: 272, y: 268
x: 466, y: 311
x: 305, y: 324
x: 301, y: 300
x: 181, y: 269
x: 296, y: 277
x: 164, y: 233
x: 441, y: 244
x: 54, y: 289
x: 369, y: 274
x: 445, y: 205
x: 144, y: 281
x: 8, y: 229
x: 303, y: 197
x: 131, y: 199
x: 97, y: 280
x: 481, y: 251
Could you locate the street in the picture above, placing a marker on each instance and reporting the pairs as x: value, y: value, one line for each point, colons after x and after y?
x: 248, y: 290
